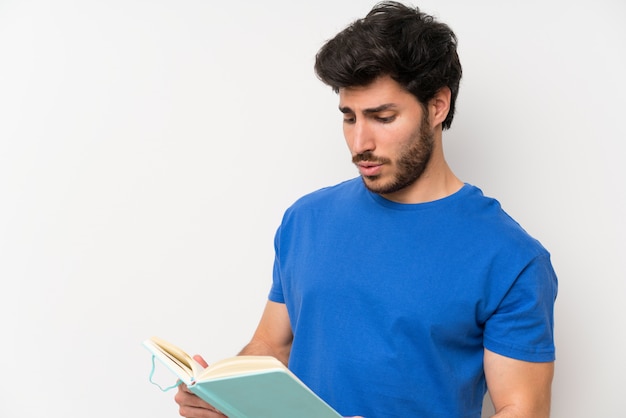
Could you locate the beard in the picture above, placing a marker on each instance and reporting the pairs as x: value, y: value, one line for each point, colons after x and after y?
x: 410, y: 165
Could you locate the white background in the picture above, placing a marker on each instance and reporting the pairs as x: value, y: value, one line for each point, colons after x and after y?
x: 148, y: 149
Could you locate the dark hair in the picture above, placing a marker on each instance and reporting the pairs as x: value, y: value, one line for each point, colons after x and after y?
x: 395, y: 40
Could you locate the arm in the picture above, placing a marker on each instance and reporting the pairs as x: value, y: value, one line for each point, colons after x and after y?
x: 518, y: 389
x: 272, y: 337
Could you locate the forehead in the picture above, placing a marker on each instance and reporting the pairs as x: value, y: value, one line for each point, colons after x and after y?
x: 383, y: 90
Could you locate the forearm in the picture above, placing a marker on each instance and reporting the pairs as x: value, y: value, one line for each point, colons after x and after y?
x: 514, y: 412
x: 273, y: 336
x: 258, y: 347
x: 537, y: 406
x: 524, y: 406
x: 507, y: 413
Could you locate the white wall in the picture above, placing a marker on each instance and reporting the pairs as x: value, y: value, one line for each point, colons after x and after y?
x: 149, y: 147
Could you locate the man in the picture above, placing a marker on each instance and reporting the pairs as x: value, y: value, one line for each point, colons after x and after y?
x: 405, y: 292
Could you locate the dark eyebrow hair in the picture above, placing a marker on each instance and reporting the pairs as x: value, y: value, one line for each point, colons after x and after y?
x: 381, y: 108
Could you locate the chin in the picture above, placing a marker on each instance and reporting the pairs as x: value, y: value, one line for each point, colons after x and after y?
x: 376, y: 185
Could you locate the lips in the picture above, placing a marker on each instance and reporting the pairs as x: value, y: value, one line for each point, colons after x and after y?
x: 369, y: 169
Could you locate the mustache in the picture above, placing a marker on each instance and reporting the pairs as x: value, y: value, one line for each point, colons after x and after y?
x: 369, y: 157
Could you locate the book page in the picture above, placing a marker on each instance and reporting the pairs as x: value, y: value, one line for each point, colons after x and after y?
x: 241, y: 365
x: 179, y: 357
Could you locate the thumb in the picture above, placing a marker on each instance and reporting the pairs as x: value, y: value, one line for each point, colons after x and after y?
x: 200, y: 360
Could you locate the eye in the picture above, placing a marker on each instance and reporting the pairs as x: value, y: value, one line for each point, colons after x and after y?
x: 385, y: 119
x: 349, y: 119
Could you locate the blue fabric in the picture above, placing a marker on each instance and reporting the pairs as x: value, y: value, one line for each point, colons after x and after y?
x: 392, y: 305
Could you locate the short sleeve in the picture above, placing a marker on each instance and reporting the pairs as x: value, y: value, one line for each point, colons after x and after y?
x: 522, y: 327
x: 276, y: 291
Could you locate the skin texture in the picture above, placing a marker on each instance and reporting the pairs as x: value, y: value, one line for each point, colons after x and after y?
x: 518, y: 389
x: 190, y: 406
x: 396, y: 143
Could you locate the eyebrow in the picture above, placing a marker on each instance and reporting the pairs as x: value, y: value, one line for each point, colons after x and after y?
x: 377, y: 109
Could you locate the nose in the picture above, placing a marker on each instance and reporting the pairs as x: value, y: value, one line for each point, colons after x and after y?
x: 360, y: 137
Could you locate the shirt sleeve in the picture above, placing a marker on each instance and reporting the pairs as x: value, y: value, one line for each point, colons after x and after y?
x: 522, y: 327
x: 276, y: 291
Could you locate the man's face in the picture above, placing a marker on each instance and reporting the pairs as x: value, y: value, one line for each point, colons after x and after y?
x: 388, y: 134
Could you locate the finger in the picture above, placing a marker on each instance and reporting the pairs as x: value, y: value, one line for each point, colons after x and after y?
x: 200, y: 360
x: 191, y: 406
x: 185, y: 398
x: 183, y: 387
x: 191, y: 412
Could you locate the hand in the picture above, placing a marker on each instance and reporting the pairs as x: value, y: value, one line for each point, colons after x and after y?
x: 191, y: 406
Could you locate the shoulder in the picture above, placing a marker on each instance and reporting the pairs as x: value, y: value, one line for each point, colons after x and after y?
x: 344, y: 191
x: 324, y: 206
x: 489, y: 216
x: 321, y: 209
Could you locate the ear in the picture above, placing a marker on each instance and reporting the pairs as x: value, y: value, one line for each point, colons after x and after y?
x: 439, y: 106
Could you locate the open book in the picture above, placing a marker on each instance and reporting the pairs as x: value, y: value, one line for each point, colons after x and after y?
x: 243, y: 386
